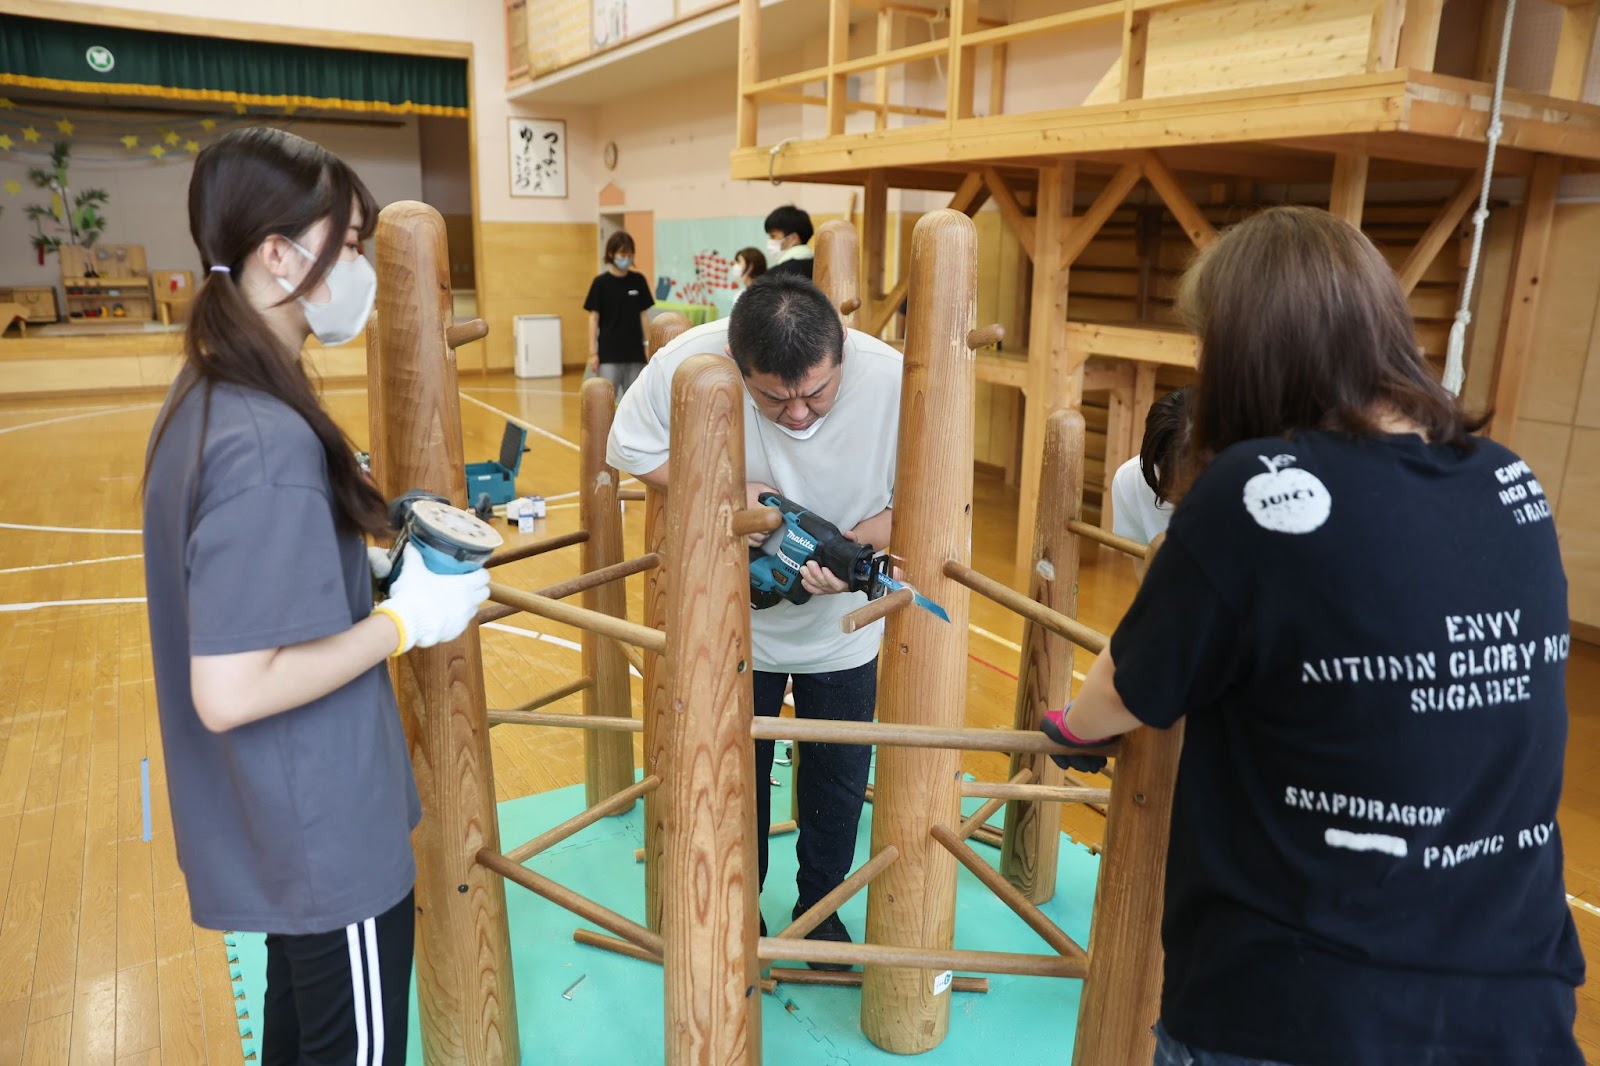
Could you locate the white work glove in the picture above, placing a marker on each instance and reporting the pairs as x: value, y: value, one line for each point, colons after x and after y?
x: 431, y: 608
x: 378, y: 559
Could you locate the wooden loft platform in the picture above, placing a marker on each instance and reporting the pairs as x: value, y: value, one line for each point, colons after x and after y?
x: 1203, y: 96
x: 1409, y: 124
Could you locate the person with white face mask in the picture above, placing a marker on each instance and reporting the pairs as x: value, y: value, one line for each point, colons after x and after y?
x: 821, y: 427
x: 748, y: 265
x: 789, y: 241
x: 287, y: 769
x: 618, y: 303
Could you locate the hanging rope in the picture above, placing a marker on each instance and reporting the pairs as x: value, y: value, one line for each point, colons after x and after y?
x: 1455, y: 351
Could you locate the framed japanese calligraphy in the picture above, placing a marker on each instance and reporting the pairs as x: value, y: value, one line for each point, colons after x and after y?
x: 538, y: 151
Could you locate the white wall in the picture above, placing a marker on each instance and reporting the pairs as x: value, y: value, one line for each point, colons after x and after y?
x: 148, y: 202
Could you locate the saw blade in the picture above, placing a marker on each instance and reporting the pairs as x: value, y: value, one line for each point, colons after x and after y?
x: 891, y: 585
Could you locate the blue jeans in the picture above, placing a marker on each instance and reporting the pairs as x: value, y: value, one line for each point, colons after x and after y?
x: 832, y: 779
x: 1171, y: 1052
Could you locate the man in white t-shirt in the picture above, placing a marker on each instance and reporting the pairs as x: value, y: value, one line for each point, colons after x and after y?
x: 821, y: 427
x: 1142, y: 487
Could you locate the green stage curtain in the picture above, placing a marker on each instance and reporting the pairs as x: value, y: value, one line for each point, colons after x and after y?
x: 77, y: 57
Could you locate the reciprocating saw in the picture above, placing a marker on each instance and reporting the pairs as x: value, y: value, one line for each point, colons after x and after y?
x: 808, y: 537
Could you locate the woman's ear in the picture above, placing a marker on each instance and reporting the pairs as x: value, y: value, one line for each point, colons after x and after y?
x: 274, y: 255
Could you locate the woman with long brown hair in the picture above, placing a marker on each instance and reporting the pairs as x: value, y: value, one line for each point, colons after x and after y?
x: 287, y: 771
x: 1360, y: 614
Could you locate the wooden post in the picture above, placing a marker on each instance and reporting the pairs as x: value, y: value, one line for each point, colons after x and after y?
x: 880, y: 79
x: 1122, y: 993
x: 465, y: 997
x: 748, y: 109
x: 607, y: 757
x: 1383, y: 44
x: 1033, y: 830
x: 657, y: 717
x: 838, y: 52
x: 1521, y: 316
x: 1573, y: 47
x: 1419, y: 35
x: 1349, y: 191
x: 657, y: 720
x: 1053, y: 381
x: 874, y: 243
x: 709, y: 913
x: 962, y: 70
x: 837, y: 262
x: 1135, y: 45
x: 924, y: 666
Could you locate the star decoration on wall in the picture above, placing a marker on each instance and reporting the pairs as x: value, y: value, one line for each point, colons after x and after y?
x: 6, y: 142
x: 130, y: 140
x: 208, y: 124
x: 172, y: 137
x: 290, y: 109
x: 13, y: 186
x: 6, y: 105
x: 191, y: 146
x: 30, y: 135
x: 157, y: 151
x: 65, y: 126
x: 239, y: 109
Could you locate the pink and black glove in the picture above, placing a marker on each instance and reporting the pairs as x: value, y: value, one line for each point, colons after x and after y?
x: 1054, y: 726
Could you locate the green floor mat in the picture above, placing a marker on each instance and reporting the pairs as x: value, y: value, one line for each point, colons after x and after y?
x: 615, y: 1014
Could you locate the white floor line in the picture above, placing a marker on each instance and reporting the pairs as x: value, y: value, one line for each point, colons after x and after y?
x: 15, y: 608
x: 1583, y: 905
x: 516, y: 421
x: 522, y: 392
x: 98, y: 412
x: 997, y: 638
x: 533, y: 634
x: 71, y: 529
x: 75, y: 562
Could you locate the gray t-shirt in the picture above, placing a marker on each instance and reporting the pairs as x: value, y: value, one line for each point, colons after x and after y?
x: 297, y: 823
x: 844, y: 472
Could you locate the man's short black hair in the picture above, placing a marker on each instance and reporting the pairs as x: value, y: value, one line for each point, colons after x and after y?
x: 1166, y: 433
x: 784, y: 325
x: 790, y: 219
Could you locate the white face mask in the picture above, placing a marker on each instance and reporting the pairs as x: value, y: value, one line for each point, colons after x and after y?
x: 352, y: 288
x: 774, y: 248
x: 802, y: 434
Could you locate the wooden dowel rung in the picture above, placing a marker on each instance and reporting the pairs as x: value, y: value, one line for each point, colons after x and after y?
x: 633, y: 655
x: 1036, y: 793
x: 972, y: 822
x: 633, y: 951
x: 602, y: 576
x: 1007, y: 893
x: 600, y: 722
x: 1079, y: 780
x: 984, y: 336
x: 537, y: 547
x: 873, y: 610
x: 593, y: 621
x: 1110, y: 540
x: 771, y: 948
x: 565, y: 898
x: 785, y: 975
x: 493, y: 612
x: 756, y: 520
x: 577, y: 823
x: 914, y: 736
x: 828, y: 905
x: 988, y: 834
x: 630, y: 495
x: 561, y: 692
x: 1027, y: 607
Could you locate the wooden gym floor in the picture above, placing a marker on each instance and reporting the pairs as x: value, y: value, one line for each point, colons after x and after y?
x: 98, y: 960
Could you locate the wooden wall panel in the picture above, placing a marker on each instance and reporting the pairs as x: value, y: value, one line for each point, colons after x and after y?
x: 1545, y: 446
x: 1567, y: 317
x: 534, y: 268
x: 1579, y: 526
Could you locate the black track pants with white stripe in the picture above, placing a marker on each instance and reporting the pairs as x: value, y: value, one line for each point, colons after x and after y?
x: 341, y: 998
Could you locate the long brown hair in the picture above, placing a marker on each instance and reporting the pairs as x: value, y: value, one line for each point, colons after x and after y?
x: 1302, y: 325
x: 250, y: 185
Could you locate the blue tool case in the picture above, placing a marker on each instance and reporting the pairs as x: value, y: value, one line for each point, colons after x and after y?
x: 498, y: 478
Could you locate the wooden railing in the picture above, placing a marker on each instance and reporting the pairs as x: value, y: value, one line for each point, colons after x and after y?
x: 1403, y: 31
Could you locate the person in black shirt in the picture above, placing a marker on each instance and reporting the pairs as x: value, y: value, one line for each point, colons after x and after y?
x: 789, y: 241
x: 618, y: 303
x: 1360, y: 614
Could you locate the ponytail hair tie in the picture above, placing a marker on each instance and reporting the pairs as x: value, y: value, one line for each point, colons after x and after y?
x: 218, y: 268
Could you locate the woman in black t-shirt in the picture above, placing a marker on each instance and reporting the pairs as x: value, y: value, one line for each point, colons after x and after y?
x: 618, y: 303
x: 1360, y: 616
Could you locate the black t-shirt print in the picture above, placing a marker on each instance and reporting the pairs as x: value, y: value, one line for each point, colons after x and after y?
x: 619, y: 301
x: 1369, y: 641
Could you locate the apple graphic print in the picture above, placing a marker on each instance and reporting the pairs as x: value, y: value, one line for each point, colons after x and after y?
x: 1287, y: 499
